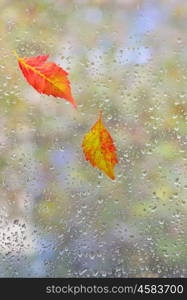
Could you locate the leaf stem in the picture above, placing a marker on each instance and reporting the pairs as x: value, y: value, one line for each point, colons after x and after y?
x: 100, y: 114
x: 15, y: 53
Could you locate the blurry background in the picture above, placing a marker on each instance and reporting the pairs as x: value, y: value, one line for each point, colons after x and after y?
x: 59, y: 216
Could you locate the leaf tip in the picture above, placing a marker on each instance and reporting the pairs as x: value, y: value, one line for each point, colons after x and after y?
x: 110, y: 174
x: 74, y: 104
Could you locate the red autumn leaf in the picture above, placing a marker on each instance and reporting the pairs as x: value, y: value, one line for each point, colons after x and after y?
x: 99, y: 148
x: 46, y: 77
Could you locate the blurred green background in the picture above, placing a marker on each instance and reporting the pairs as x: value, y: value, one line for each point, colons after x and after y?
x: 58, y: 215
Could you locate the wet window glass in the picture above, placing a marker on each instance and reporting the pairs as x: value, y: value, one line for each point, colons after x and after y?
x: 59, y: 215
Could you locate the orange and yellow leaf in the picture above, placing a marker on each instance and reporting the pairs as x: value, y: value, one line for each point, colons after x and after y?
x: 46, y: 77
x: 99, y: 148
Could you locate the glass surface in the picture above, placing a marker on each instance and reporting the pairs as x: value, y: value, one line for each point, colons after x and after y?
x: 59, y: 216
